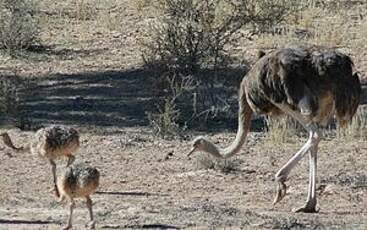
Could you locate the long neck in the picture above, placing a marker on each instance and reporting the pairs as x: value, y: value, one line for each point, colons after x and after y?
x: 244, y: 124
x: 8, y: 142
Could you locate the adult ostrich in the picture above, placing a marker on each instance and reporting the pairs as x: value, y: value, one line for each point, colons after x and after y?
x: 310, y: 84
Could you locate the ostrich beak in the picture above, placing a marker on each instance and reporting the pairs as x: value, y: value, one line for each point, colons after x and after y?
x: 191, y: 151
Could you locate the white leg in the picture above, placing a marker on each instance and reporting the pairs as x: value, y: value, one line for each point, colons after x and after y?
x: 283, y: 173
x: 311, y: 198
x: 311, y: 202
x: 312, y: 145
x: 313, y: 169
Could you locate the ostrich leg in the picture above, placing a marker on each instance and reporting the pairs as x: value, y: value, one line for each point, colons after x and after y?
x: 312, y: 145
x: 71, y: 208
x: 91, y: 224
x: 71, y: 159
x: 56, y: 190
x: 283, y: 173
x: 310, y: 206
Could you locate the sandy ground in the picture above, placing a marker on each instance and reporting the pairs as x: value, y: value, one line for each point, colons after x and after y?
x: 91, y: 78
x: 147, y: 183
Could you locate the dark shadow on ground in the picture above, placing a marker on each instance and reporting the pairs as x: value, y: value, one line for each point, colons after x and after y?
x: 40, y: 53
x: 143, y: 226
x: 112, y: 98
x: 36, y: 222
x: 123, y: 99
x: 64, y: 53
x: 153, y: 226
x: 364, y: 94
x: 130, y: 193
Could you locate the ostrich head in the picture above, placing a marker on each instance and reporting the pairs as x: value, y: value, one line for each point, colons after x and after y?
x: 197, y: 144
x: 201, y: 143
x: 244, y: 122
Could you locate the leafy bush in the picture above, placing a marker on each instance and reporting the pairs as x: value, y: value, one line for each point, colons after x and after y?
x: 18, y: 25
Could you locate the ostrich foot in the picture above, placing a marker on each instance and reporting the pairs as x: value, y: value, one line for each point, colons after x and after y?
x: 91, y: 225
x: 309, y: 207
x: 55, y: 191
x: 60, y: 199
x: 67, y: 227
x: 281, y: 192
x: 71, y: 160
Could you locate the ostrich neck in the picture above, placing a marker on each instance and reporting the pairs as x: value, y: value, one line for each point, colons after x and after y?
x: 244, y: 124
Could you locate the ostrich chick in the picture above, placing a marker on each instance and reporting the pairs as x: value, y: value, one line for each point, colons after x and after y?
x: 78, y: 180
x: 52, y: 142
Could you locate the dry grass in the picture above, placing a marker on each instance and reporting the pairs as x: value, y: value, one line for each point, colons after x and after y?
x: 325, y: 25
x: 205, y: 161
x: 285, y: 129
x: 164, y: 121
x: 95, y: 35
x: 19, y: 28
x: 338, y: 26
x: 14, y: 91
x: 281, y: 129
x: 144, y: 189
x: 106, y: 35
x: 357, y: 129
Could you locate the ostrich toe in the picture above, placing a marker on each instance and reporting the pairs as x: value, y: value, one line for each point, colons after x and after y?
x: 281, y: 192
x: 309, y: 207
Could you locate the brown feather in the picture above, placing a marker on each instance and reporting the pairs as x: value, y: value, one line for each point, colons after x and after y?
x: 311, y: 80
x: 78, y: 180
